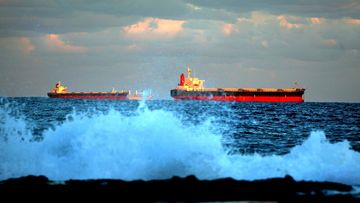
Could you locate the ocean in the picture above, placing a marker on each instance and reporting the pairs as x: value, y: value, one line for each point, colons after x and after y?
x: 129, y: 140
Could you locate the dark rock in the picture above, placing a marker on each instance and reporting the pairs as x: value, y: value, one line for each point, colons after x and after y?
x: 188, y: 189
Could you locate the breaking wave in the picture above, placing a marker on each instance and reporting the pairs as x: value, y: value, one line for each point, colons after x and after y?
x: 155, y: 144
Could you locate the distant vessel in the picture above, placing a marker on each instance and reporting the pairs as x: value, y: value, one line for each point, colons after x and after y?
x: 140, y: 95
x: 60, y: 91
x: 192, y: 88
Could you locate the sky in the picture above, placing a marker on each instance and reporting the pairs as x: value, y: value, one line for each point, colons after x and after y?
x: 93, y: 45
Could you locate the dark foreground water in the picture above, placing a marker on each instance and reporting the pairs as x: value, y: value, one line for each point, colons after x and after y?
x: 82, y: 139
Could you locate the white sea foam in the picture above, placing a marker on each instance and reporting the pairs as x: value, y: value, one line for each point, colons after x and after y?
x: 157, y: 145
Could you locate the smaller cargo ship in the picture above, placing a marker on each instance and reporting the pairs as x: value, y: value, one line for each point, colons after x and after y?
x: 62, y: 92
x: 192, y: 88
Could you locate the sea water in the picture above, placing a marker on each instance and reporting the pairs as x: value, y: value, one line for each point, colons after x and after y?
x: 87, y: 139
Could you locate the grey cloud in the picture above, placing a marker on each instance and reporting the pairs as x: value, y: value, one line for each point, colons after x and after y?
x: 315, y: 8
x: 160, y: 8
x: 55, y: 16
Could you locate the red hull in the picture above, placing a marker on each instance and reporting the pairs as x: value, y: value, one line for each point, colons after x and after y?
x: 243, y: 98
x: 89, y: 96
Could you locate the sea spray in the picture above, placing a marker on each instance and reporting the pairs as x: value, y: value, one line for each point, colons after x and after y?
x: 156, y: 144
x: 316, y: 159
x: 152, y: 144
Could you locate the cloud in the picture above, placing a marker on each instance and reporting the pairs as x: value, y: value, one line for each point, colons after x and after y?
x: 302, y: 38
x: 139, y: 27
x: 264, y: 19
x: 193, y: 7
x: 267, y: 21
x: 352, y: 21
x: 316, y: 20
x: 284, y: 23
x: 40, y: 17
x: 324, y: 8
x: 54, y: 43
x: 259, y: 17
x: 265, y: 44
x: 26, y: 46
x: 228, y: 29
x: 354, y: 4
x: 169, y: 26
x: 329, y: 42
x: 18, y: 45
x: 296, y: 22
x: 154, y: 27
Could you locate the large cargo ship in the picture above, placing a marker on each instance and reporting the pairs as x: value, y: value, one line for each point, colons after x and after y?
x: 60, y: 91
x: 192, y: 88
